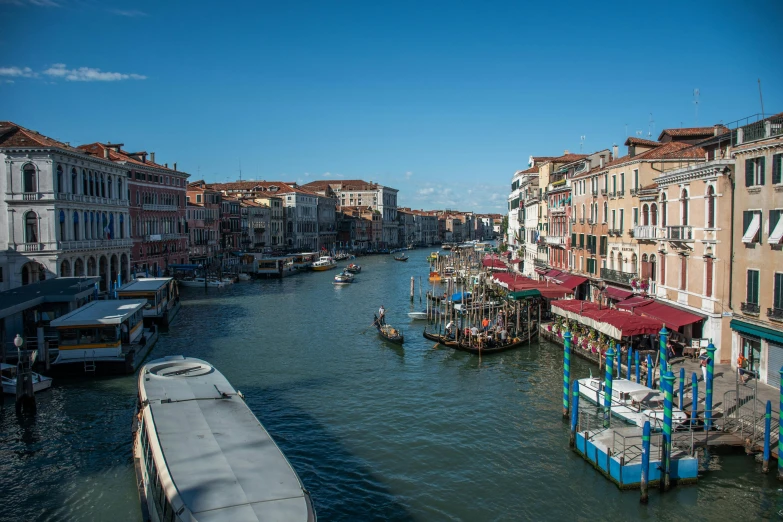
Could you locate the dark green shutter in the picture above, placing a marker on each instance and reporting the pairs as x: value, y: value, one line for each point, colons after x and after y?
x: 581, y: 240
x: 748, y: 172
x: 777, y: 165
x: 573, y: 240
x: 747, y: 216
x: 777, y: 298
x: 753, y: 286
x: 762, y: 167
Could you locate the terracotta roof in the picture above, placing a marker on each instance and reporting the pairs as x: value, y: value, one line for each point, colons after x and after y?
x: 13, y: 135
x: 639, y: 141
x: 250, y: 185
x: 567, y: 158
x: 673, y: 150
x: 692, y: 132
x: 531, y: 170
x: 99, y: 150
x: 539, y: 159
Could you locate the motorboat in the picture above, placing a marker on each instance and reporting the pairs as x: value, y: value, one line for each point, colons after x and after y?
x: 418, y: 316
x: 324, y: 263
x: 244, y: 277
x: 343, y: 278
x: 353, y: 268
x: 8, y: 371
x: 633, y: 402
x: 198, y: 282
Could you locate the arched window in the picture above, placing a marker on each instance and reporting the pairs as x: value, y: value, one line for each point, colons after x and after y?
x: 92, y: 184
x: 620, y: 263
x: 59, y: 187
x: 663, y: 210
x: 122, y: 227
x: 85, y: 183
x: 74, y: 181
x: 62, y: 226
x: 31, y: 227
x: 654, y: 214
x: 108, y: 187
x: 653, y: 272
x: 645, y: 215
x: 583, y: 210
x: 634, y: 263
x: 119, y: 189
x: 102, y: 186
x: 606, y: 211
x: 684, y: 206
x: 76, y: 226
x: 30, y: 183
x: 710, y: 207
x: 611, y: 260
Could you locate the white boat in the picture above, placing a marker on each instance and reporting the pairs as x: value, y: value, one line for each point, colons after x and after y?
x: 227, y: 280
x: 418, y: 316
x: 198, y: 282
x: 343, y: 279
x: 244, y: 277
x: 324, y: 263
x: 8, y: 371
x: 632, y: 402
x: 200, y: 454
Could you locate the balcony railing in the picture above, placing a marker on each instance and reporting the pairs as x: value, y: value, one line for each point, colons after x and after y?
x: 166, y: 208
x: 776, y: 314
x: 645, y: 232
x: 633, y: 192
x: 615, y: 232
x: 679, y: 233
x: 620, y: 193
x: 581, y: 221
x: 594, y: 193
x: 84, y: 198
x: 590, y: 222
x: 539, y: 263
x: 750, y: 308
x: 613, y: 194
x: 557, y: 210
x: 89, y: 244
x: 617, y: 276
x: 603, y: 192
x: 34, y: 247
x: 556, y: 240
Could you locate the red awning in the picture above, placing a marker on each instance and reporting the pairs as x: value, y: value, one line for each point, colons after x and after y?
x: 553, y: 273
x: 517, y: 260
x: 612, y: 292
x: 634, y: 302
x: 672, y: 317
x: 571, y: 281
x: 540, y: 271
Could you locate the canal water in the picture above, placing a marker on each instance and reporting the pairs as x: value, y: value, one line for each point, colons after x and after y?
x: 375, y: 431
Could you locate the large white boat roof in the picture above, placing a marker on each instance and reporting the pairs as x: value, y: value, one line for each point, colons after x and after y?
x: 223, y: 463
x: 100, y: 312
x: 145, y: 284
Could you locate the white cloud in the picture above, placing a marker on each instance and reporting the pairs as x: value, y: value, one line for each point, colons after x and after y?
x: 17, y: 72
x: 88, y: 74
x: 408, y: 175
x: 129, y: 13
x: 425, y: 191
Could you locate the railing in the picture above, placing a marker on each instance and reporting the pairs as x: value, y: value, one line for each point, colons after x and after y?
x: 750, y: 308
x: 680, y: 233
x: 557, y: 210
x: 556, y: 240
x: 615, y: 232
x: 540, y: 263
x: 776, y: 314
x: 34, y: 247
x: 613, y: 194
x: 166, y: 208
x: 88, y: 244
x: 29, y: 196
x: 603, y: 192
x: 620, y: 193
x: 82, y: 198
x: 645, y: 232
x: 590, y: 222
x: 594, y: 193
x: 581, y: 221
x: 617, y: 276
x: 633, y: 192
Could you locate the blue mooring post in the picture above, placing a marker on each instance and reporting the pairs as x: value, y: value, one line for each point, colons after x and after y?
x: 574, y: 413
x: 608, y: 386
x: 708, y: 394
x: 638, y: 369
x: 619, y: 364
x: 667, y: 383
x: 780, y: 429
x: 645, y: 461
x: 767, y: 425
x: 682, y: 387
x: 630, y: 358
x: 695, y: 403
x: 566, y: 371
x: 663, y: 336
x: 650, y: 371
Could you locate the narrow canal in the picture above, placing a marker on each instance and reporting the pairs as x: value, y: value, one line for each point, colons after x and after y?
x: 376, y: 432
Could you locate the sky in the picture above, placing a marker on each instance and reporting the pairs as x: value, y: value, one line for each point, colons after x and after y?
x: 441, y: 100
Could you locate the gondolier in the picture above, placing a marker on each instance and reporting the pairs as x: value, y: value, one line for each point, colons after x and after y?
x: 381, y: 315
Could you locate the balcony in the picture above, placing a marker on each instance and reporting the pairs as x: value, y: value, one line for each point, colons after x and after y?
x: 645, y: 232
x: 590, y: 222
x: 620, y: 193
x: 613, y: 194
x: 633, y: 192
x: 776, y: 314
x: 94, y: 244
x: 750, y: 308
x: 556, y: 240
x: 624, y: 278
x: 594, y: 193
x: 615, y: 232
x: 34, y: 247
x: 539, y: 263
x: 84, y: 198
x: 161, y: 237
x: 162, y: 208
x: 603, y: 192
x: 581, y: 221
x: 679, y: 233
x: 557, y: 210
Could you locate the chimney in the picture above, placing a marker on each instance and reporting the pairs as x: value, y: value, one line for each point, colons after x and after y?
x: 106, y: 153
x: 615, y: 151
x: 715, y: 130
x: 166, y: 165
x: 565, y: 152
x: 175, y: 165
x: 152, y: 157
x: 601, y: 162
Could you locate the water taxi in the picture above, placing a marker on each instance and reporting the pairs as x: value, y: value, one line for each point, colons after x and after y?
x: 200, y: 453
x: 633, y: 402
x: 103, y: 336
x: 275, y: 267
x: 353, y: 268
x: 304, y: 260
x: 9, y: 372
x: 161, y: 294
x: 434, y: 275
x: 324, y: 263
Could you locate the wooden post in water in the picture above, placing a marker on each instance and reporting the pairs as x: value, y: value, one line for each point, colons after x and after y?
x: 529, y: 326
x: 645, y: 462
x: 574, y: 413
x: 412, y: 288
x: 516, y: 332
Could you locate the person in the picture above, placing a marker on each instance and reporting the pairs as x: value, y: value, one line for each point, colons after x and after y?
x: 449, y: 326
x: 474, y: 331
x: 704, y: 360
x: 485, y: 324
x: 743, y: 366
x: 670, y: 350
x: 381, y: 315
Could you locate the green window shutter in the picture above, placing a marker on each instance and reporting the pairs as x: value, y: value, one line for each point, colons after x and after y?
x: 603, y: 245
x: 573, y: 240
x: 748, y: 172
x: 581, y: 240
x: 753, y: 286
x: 777, y: 299
x: 747, y: 216
x: 777, y: 166
x: 762, y: 168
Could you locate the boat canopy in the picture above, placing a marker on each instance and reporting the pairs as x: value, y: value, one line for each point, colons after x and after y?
x: 147, y: 284
x: 100, y: 313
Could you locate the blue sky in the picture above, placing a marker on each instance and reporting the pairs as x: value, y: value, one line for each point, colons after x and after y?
x: 442, y: 100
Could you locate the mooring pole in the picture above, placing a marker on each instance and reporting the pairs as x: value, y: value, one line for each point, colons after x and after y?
x: 566, y: 371
x: 645, y: 461
x: 767, y: 425
x: 412, y: 288
x: 649, y: 371
x: 780, y: 428
x: 630, y: 358
x: 667, y: 381
x: 574, y: 413
x: 681, y: 391
x: 663, y: 337
x: 638, y: 368
x: 608, y: 386
x: 708, y: 393
x: 695, y: 403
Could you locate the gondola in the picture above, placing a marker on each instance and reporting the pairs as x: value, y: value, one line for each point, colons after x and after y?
x: 402, y: 257
x: 353, y: 268
x: 480, y: 351
x: 389, y: 333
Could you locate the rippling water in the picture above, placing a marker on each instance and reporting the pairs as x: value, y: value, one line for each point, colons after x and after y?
x: 375, y: 431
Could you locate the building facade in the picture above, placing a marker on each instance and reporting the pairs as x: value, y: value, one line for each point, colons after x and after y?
x: 203, y: 218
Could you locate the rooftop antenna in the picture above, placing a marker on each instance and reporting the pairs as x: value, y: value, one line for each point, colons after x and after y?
x: 762, y: 100
x: 696, y: 103
x: 581, y: 143
x: 640, y: 133
x: 650, y: 126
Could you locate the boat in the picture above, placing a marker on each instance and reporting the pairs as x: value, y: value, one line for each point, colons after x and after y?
x: 632, y: 402
x: 434, y: 275
x: 435, y: 298
x: 418, y: 316
x: 433, y: 257
x: 353, y: 268
x: 304, y: 260
x: 200, y: 453
x: 227, y: 280
x: 324, y: 263
x: 198, y: 282
x: 8, y: 371
x: 161, y: 294
x: 343, y: 279
x: 461, y: 296
x: 244, y: 277
x: 390, y: 333
x: 401, y: 257
x: 450, y: 342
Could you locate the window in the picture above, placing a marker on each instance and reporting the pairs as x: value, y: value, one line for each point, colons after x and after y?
x: 777, y: 295
x: 636, y: 179
x: 31, y: 227
x: 614, y: 184
x: 614, y: 218
x: 663, y: 209
x: 74, y: 182
x: 581, y: 240
x: 622, y: 182
x: 654, y: 215
x: 606, y: 211
x: 59, y: 187
x: 708, y: 265
x: 710, y: 207
x: 777, y: 169
x: 775, y: 226
x: 753, y: 287
x: 754, y: 171
x: 683, y: 272
x: 645, y: 215
x: 751, y: 226
x: 684, y: 206
x: 603, y: 245
x: 636, y: 216
x: 198, y: 198
x: 622, y: 214
x: 29, y: 179
x: 653, y: 275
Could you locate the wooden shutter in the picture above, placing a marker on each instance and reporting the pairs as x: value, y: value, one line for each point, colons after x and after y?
x: 708, y: 282
x: 748, y: 172
x: 603, y: 245
x: 645, y: 269
x: 762, y: 169
x: 663, y: 270
x: 777, y: 298
x: 777, y: 166
x: 753, y: 287
x: 573, y: 240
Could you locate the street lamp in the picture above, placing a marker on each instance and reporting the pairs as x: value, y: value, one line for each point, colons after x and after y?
x: 18, y: 342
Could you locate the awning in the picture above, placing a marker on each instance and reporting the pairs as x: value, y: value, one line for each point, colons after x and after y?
x: 553, y: 273
x: 571, y: 281
x: 517, y: 260
x: 523, y: 294
x: 672, y: 317
x: 777, y: 233
x: 540, y: 271
x: 612, y: 292
x: 753, y: 228
x: 633, y: 302
x: 758, y: 331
